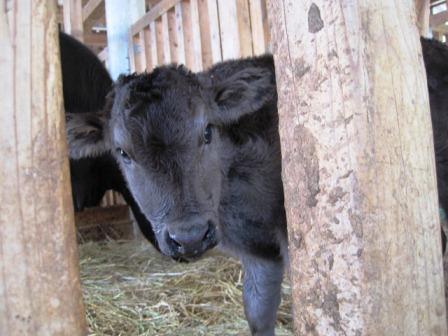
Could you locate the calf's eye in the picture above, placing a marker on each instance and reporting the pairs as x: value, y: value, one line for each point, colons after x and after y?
x: 124, y: 155
x: 208, y: 134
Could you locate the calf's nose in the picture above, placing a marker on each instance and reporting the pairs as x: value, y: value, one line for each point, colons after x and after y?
x: 191, y: 239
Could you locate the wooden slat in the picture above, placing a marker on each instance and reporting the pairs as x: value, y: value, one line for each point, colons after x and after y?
x: 159, y: 41
x: 196, y: 36
x: 171, y: 14
x: 213, y: 29
x: 132, y: 60
x: 185, y: 9
x: 180, y: 35
x: 204, y: 22
x: 90, y: 7
x: 228, y: 21
x: 95, y: 39
x: 73, y: 23
x: 103, y: 55
x: 259, y: 27
x: 245, y: 32
x: 147, y: 46
x: 154, y: 47
x: 438, y: 19
x: 102, y: 216
x: 166, y: 39
x: 140, y: 52
x: 153, y: 14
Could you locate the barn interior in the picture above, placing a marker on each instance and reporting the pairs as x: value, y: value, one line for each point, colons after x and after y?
x: 128, y: 287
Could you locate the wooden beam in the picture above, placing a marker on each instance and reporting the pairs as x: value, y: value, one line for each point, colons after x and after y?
x: 103, y: 55
x: 90, y: 7
x: 438, y: 19
x: 358, y: 168
x: 244, y: 28
x: 260, y: 30
x: 73, y: 22
x: 213, y: 29
x: 91, y: 217
x: 180, y: 35
x: 228, y: 21
x: 153, y: 14
x: 40, y: 291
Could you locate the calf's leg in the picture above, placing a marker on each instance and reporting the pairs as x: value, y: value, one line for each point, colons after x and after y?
x: 261, y: 294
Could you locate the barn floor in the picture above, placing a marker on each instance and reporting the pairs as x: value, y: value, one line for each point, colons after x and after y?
x: 130, y: 289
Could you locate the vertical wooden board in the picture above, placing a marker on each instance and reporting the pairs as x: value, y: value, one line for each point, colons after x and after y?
x: 140, y: 50
x: 358, y: 169
x: 159, y: 39
x: 204, y: 23
x: 180, y: 35
x: 132, y: 57
x: 188, y: 34
x: 196, y: 36
x: 228, y: 25
x: 213, y: 28
x: 155, y: 61
x: 258, y: 19
x: 171, y: 14
x: 244, y: 28
x: 147, y: 46
x: 39, y: 288
x: 166, y: 39
x: 73, y: 22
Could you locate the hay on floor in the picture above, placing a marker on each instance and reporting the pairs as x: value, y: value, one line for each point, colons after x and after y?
x: 130, y: 289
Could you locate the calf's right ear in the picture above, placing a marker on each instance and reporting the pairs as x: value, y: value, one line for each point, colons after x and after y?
x: 86, y: 135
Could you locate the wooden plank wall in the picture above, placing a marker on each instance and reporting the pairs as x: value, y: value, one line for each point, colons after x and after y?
x: 198, y: 33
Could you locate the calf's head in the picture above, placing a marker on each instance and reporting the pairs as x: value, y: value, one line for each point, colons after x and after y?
x: 166, y: 130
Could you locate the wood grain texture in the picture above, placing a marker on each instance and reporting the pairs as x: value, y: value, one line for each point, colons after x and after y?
x: 39, y: 287
x: 73, y: 18
x: 422, y: 12
x: 358, y: 168
x: 228, y: 22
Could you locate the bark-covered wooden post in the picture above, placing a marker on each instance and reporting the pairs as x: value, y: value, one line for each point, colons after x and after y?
x: 358, y: 168
x: 39, y: 283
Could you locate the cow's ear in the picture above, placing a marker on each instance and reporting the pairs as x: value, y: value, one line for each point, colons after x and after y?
x: 244, y: 92
x: 86, y: 135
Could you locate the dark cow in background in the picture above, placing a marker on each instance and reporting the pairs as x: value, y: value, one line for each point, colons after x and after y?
x: 201, y: 155
x: 435, y: 55
x: 86, y: 84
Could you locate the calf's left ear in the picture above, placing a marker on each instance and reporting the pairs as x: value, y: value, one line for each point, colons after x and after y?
x: 243, y: 93
x: 86, y: 135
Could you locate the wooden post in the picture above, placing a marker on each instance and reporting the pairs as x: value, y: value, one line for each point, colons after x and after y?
x: 73, y: 21
x: 422, y: 11
x: 358, y: 168
x: 39, y: 287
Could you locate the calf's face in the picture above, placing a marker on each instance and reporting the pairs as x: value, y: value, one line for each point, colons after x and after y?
x: 166, y: 130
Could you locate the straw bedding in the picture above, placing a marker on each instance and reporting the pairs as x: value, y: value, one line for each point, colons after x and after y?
x: 130, y: 289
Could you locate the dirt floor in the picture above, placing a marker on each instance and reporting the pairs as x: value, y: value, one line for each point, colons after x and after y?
x: 130, y: 289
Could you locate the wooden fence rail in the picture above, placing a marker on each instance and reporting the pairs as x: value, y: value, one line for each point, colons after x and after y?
x: 198, y: 33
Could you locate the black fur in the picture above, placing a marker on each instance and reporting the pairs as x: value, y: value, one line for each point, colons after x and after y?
x: 435, y: 55
x: 86, y: 84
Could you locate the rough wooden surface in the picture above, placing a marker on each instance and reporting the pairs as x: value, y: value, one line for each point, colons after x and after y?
x: 422, y: 12
x: 358, y: 168
x: 39, y: 283
x: 73, y: 18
